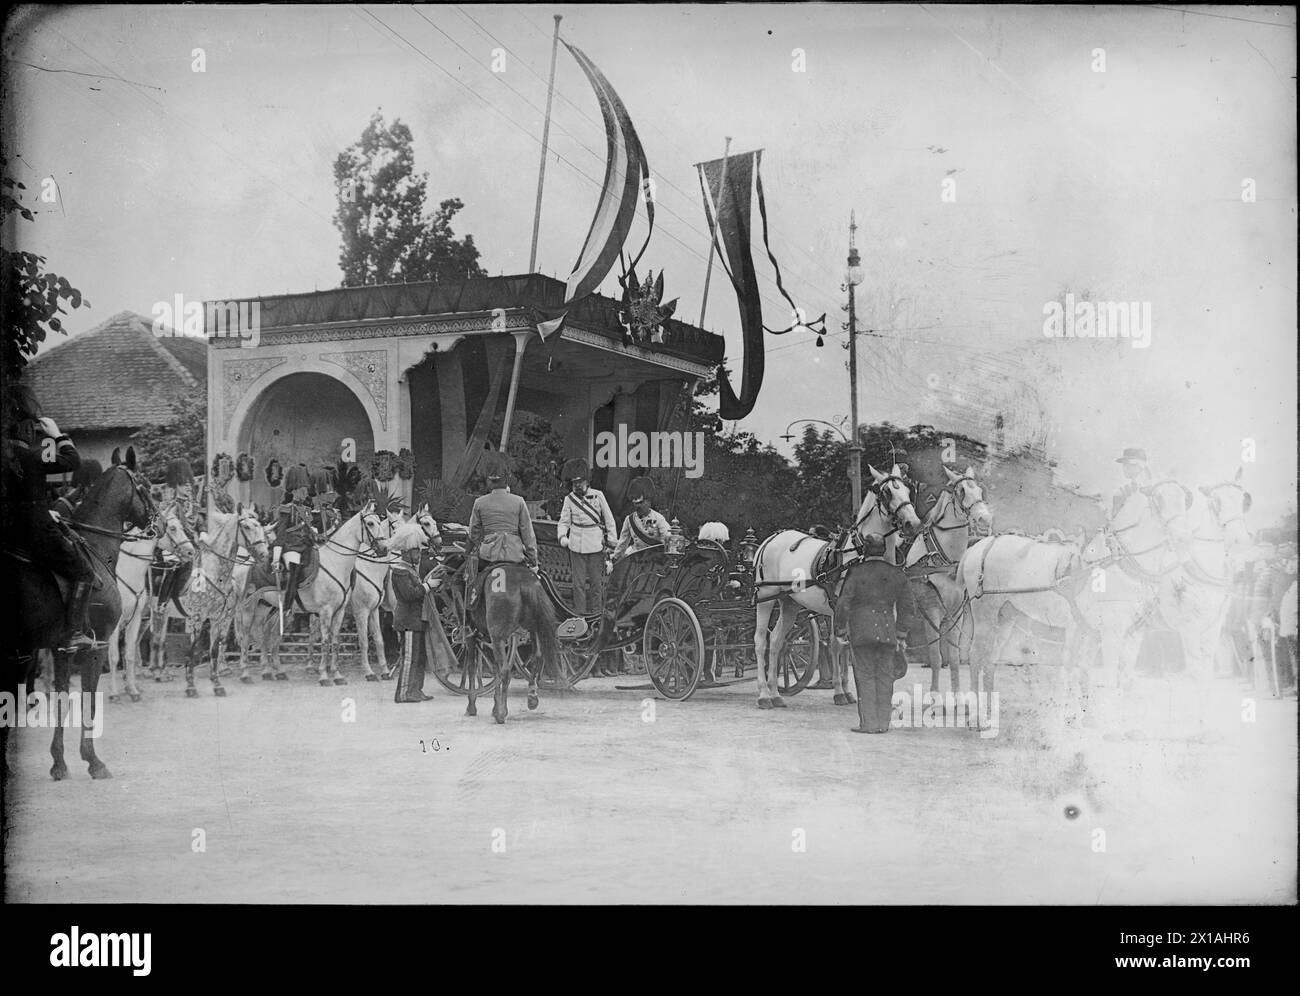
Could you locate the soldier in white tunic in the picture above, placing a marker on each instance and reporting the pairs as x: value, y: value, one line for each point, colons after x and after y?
x: 644, y: 526
x: 587, y: 531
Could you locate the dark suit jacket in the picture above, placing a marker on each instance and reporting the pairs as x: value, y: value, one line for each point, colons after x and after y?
x: 873, y: 593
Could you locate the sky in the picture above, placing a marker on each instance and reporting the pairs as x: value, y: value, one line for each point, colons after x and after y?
x: 1117, y: 185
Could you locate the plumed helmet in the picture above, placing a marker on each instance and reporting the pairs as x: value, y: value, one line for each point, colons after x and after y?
x: 87, y: 474
x: 873, y: 545
x: 495, y: 465
x: 641, y: 487
x: 575, y: 468
x: 294, y: 478
x: 179, y: 473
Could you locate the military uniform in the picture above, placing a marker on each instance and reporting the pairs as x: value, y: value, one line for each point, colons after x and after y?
x: 878, y: 608
x: 294, y: 534
x: 410, y: 596
x: 644, y: 527
x: 587, y: 530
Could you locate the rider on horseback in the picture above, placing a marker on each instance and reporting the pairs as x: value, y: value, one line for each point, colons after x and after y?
x: 82, y: 478
x: 34, y: 448
x: 294, y: 535
x: 500, y: 528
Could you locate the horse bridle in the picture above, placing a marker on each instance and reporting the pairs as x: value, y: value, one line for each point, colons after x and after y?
x: 1216, y: 503
x: 141, y: 492
x: 1152, y: 491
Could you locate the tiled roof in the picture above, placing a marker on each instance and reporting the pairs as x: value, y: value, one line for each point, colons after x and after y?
x: 117, y: 375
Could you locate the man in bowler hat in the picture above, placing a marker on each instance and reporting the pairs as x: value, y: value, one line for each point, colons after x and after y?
x: 877, y: 606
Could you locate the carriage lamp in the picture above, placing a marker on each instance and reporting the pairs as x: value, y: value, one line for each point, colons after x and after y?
x: 749, y: 548
x: 676, y: 544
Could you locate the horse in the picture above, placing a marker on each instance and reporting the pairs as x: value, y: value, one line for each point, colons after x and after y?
x: 1194, y: 599
x: 37, y: 622
x: 326, y: 594
x: 167, y: 532
x: 1102, y: 594
x: 931, y: 567
x: 786, y: 579
x: 512, y: 601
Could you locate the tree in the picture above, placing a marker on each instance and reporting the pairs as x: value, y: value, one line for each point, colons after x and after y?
x: 184, y: 435
x: 822, y: 465
x: 31, y: 299
x: 387, y: 237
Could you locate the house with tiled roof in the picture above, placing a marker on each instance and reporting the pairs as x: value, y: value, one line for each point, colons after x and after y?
x: 105, y: 384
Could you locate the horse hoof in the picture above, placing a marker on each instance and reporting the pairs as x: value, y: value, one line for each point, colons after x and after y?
x: 471, y: 711
x: 501, y: 720
x: 191, y: 693
x: 219, y: 692
x: 59, y: 772
x: 778, y: 703
x: 532, y: 702
x: 325, y: 682
x: 841, y: 699
x: 100, y: 771
x: 340, y: 681
x: 372, y: 677
x: 765, y: 703
x: 265, y: 677
x: 115, y: 698
x: 281, y: 676
x: 849, y: 699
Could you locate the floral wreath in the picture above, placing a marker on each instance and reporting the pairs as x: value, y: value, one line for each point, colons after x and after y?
x: 274, y: 473
x: 244, y: 467
x: 223, y: 469
x: 405, y: 464
x: 384, y: 466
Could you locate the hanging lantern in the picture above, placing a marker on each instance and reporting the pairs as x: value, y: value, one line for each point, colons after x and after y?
x: 676, y: 543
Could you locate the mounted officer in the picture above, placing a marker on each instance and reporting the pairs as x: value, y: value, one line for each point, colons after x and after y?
x: 644, y: 527
x: 325, y: 516
x: 587, y: 530
x: 294, y: 534
x: 500, y: 528
x: 25, y: 518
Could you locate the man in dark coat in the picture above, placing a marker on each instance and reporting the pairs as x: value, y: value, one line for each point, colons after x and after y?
x: 294, y: 534
x: 877, y: 607
x: 34, y: 448
x: 411, y: 584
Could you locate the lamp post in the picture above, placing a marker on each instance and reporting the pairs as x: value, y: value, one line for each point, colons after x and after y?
x: 852, y: 277
x: 787, y: 436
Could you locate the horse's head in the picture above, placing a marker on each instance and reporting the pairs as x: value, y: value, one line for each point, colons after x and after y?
x: 427, y: 522
x: 374, y: 528
x: 1229, y: 502
x: 968, y: 496
x: 252, y: 534
x: 1171, y: 501
x: 119, y: 497
x: 895, y: 498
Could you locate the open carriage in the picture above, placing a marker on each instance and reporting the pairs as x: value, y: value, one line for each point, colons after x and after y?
x: 688, y: 614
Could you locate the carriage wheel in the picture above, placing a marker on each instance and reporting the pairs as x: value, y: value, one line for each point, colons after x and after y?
x: 451, y: 610
x: 799, y: 655
x: 575, y: 664
x: 674, y: 648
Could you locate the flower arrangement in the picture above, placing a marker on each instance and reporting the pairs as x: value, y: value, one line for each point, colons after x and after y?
x: 274, y: 473
x: 244, y: 467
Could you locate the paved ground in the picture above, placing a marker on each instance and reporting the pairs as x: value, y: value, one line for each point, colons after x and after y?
x: 585, y: 800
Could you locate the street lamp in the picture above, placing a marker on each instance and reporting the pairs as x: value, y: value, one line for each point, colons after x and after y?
x: 787, y: 436
x: 853, y: 276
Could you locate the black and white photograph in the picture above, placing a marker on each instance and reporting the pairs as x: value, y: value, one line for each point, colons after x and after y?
x: 650, y: 455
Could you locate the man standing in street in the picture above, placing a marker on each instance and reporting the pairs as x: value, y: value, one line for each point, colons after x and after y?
x: 587, y: 530
x: 877, y: 606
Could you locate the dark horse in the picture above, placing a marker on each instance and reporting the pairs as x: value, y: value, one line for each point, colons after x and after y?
x: 513, y: 599
x: 35, y: 603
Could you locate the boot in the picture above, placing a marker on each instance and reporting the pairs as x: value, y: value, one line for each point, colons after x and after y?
x: 75, y: 618
x: 291, y: 586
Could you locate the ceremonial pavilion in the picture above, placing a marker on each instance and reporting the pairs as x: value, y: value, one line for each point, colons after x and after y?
x: 424, y: 369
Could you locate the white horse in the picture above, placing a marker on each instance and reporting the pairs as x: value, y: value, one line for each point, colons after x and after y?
x: 931, y: 567
x: 786, y: 579
x: 326, y: 596
x: 1104, y: 594
x: 1194, y: 599
x: 133, y: 586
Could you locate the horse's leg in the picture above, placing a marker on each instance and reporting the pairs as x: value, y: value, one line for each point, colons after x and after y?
x: 217, y: 647
x: 536, y: 663
x: 62, y: 671
x: 471, y: 671
x: 192, y: 633
x: 361, y: 618
x: 762, y: 617
x: 784, y: 623
x: 91, y: 667
x: 375, y: 626
x: 336, y: 635
x: 505, y: 664
x: 114, y: 657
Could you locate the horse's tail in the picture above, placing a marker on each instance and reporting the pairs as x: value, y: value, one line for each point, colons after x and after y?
x: 539, y: 618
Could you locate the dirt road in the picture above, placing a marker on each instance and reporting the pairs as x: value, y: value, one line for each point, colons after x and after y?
x: 291, y: 792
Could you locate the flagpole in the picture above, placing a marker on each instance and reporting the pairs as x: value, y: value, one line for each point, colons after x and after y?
x: 546, y: 137
x: 717, y: 222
